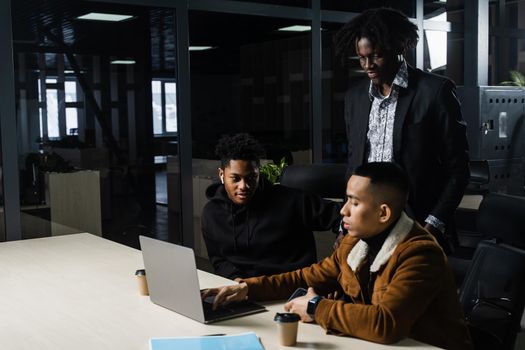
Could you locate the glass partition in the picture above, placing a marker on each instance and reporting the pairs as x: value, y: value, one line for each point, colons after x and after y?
x: 506, y: 42
x: 407, y: 7
x: 97, y: 121
x: 297, y: 3
x: 335, y: 80
x: 249, y: 74
x: 2, y: 217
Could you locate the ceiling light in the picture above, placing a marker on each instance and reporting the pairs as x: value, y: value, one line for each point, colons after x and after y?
x: 123, y: 62
x: 200, y: 48
x: 108, y: 17
x: 295, y: 29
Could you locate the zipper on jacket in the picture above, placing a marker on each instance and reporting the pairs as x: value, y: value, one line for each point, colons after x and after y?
x: 356, y: 274
x: 370, y: 287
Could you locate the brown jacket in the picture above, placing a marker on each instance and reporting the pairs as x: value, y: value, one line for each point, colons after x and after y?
x: 413, y: 294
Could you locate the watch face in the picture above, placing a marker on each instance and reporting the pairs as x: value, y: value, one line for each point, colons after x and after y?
x: 312, y: 305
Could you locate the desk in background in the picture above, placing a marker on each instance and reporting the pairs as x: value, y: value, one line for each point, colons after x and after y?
x: 79, y: 292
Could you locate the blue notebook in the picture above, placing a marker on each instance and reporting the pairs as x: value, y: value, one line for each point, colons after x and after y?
x: 243, y: 341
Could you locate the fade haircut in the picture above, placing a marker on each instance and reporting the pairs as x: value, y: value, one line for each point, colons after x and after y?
x: 389, y: 31
x: 239, y: 147
x: 388, y: 181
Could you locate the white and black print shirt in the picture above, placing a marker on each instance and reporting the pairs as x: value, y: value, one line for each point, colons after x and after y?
x: 380, y: 145
x: 380, y: 134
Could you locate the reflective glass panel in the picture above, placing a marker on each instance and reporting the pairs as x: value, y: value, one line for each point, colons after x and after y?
x: 444, y: 10
x: 255, y: 78
x: 334, y: 84
x: 515, y: 14
x: 71, y: 91
x: 52, y: 113
x: 407, y: 7
x: 2, y: 218
x: 298, y: 3
x: 171, y: 106
x: 435, y: 51
x: 505, y: 55
x: 90, y: 160
x: 71, y: 121
x: 156, y: 99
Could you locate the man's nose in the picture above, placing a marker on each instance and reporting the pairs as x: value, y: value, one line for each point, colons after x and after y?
x: 244, y: 184
x: 344, y: 210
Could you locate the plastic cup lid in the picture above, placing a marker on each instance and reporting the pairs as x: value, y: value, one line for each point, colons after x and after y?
x: 286, y: 317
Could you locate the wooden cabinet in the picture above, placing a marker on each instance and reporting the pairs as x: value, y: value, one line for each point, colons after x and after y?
x: 74, y: 201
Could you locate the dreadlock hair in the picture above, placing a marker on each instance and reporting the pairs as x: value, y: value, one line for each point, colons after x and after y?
x: 239, y: 147
x: 389, y: 30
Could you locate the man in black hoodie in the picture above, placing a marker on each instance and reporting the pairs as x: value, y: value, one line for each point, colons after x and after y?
x: 252, y: 227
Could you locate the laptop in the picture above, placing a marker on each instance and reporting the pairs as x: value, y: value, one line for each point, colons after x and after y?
x: 173, y: 283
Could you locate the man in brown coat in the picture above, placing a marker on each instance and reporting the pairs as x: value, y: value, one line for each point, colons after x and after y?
x: 393, y: 275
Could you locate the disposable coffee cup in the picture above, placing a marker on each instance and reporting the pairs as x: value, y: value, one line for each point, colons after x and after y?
x: 143, y: 284
x: 287, y: 323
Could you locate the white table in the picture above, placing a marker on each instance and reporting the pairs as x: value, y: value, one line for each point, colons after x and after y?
x: 79, y: 292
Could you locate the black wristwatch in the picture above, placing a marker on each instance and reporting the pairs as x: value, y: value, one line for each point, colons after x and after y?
x: 312, y: 306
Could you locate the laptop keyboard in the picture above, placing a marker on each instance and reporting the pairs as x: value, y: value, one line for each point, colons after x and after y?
x: 220, y: 312
x: 237, y: 308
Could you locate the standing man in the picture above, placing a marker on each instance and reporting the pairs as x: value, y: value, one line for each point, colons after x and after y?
x: 404, y: 115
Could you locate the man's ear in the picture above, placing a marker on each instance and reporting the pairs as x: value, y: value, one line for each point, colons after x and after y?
x: 221, y: 174
x: 385, y: 213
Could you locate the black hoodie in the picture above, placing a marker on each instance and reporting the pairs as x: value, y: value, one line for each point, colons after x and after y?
x: 271, y: 234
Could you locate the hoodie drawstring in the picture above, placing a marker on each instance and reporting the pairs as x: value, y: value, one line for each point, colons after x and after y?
x: 232, y: 215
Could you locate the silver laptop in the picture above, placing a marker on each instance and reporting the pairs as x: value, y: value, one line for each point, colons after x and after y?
x: 173, y: 283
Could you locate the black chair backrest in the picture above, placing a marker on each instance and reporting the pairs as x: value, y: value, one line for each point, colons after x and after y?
x: 479, y: 177
x: 502, y: 217
x: 493, y: 295
x: 325, y: 180
x: 479, y: 172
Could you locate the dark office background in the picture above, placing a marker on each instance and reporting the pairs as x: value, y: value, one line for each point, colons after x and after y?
x: 202, y: 69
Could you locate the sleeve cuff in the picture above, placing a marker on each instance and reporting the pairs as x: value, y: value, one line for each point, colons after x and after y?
x: 322, y: 312
x: 436, y: 223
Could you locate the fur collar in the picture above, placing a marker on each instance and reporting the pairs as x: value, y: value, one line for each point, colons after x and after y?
x: 397, y: 235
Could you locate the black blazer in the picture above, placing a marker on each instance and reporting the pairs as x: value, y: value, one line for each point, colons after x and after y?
x: 430, y: 141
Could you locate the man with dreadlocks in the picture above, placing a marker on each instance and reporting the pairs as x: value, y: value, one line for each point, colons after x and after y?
x: 404, y: 115
x: 252, y: 227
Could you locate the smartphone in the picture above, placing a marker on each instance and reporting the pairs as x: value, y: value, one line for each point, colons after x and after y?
x: 299, y: 292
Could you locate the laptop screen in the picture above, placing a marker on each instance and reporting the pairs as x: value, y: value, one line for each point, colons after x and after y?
x: 172, y: 277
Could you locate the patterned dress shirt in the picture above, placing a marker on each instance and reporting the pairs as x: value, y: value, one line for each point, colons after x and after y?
x: 380, y: 144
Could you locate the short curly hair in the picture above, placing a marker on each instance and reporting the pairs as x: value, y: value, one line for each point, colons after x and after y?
x: 239, y: 147
x: 389, y: 30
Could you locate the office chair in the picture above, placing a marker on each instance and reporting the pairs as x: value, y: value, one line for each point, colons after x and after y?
x: 465, y: 216
x: 325, y: 180
x: 479, y: 177
x: 502, y: 217
x: 493, y: 295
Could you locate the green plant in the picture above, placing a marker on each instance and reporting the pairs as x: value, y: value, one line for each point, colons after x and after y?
x: 273, y: 171
x: 516, y: 79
